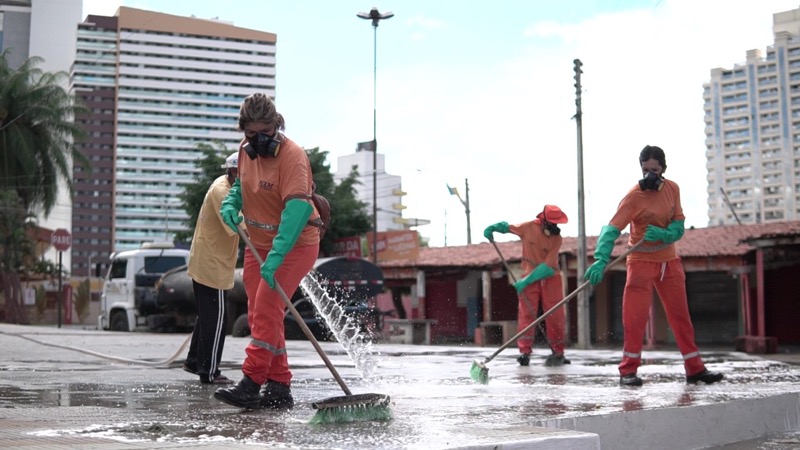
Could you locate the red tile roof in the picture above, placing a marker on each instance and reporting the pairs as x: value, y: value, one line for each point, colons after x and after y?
x: 727, y: 240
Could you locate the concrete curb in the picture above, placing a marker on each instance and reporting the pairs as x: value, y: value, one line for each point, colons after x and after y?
x: 690, y: 427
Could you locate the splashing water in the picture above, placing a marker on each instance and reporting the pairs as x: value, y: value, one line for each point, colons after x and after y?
x: 345, y: 329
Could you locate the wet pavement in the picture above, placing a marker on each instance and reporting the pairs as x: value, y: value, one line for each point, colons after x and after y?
x: 56, y: 397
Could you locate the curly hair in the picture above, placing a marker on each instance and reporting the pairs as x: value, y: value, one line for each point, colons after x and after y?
x: 260, y: 107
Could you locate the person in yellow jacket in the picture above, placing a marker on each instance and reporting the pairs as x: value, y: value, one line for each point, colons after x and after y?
x: 212, y: 261
x: 541, y: 243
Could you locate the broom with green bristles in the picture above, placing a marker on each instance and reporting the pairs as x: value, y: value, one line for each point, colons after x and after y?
x: 480, y: 373
x: 342, y: 409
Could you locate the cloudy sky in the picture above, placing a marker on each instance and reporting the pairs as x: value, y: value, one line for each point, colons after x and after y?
x: 469, y: 91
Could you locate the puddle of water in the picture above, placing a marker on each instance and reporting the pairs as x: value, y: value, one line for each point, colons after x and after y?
x: 429, y: 409
x: 436, y: 403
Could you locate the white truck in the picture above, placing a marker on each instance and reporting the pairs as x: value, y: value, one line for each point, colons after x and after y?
x: 128, y: 301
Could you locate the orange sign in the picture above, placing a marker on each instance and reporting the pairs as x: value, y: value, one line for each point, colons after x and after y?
x: 391, y: 245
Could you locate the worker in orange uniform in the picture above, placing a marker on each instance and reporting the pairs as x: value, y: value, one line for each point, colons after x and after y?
x: 653, y: 210
x: 273, y: 192
x: 541, y: 243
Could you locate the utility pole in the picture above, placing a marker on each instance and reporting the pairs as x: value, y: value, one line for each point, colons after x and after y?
x: 584, y: 324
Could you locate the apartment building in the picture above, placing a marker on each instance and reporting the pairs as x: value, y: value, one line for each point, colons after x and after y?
x: 156, y: 85
x: 752, y: 117
x: 388, y: 193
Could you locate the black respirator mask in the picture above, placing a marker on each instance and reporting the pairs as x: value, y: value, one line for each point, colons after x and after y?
x: 262, y: 145
x: 551, y: 229
x: 652, y: 182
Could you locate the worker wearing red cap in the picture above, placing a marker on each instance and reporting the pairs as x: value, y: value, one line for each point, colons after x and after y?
x: 541, y: 243
x: 653, y: 210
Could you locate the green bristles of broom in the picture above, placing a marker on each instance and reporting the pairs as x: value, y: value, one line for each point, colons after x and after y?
x: 347, y: 414
x: 352, y: 408
x: 479, y: 372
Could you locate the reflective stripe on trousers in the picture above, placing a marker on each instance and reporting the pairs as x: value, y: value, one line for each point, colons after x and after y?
x: 669, y: 280
x: 266, y: 357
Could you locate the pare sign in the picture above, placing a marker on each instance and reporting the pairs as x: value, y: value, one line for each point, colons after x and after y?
x: 61, y: 239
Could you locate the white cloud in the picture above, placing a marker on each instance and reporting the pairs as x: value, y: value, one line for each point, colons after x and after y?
x: 508, y: 128
x: 425, y: 23
x: 549, y: 29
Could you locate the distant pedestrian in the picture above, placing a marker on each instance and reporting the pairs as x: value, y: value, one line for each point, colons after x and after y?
x: 212, y: 261
x: 541, y: 243
x: 653, y: 209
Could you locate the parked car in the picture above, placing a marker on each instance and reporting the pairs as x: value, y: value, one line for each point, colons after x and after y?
x: 351, y: 282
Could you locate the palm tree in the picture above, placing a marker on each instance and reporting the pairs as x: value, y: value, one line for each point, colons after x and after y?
x: 37, y: 147
x: 37, y: 134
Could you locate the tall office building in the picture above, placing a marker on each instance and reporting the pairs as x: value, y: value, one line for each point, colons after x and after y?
x: 156, y: 85
x: 752, y: 116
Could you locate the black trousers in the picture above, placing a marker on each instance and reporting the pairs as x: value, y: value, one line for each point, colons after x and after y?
x: 208, y: 337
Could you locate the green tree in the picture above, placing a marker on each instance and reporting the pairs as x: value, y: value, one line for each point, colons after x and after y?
x: 348, y: 214
x: 37, y: 134
x: 16, y: 250
x: 210, y: 168
x: 37, y: 146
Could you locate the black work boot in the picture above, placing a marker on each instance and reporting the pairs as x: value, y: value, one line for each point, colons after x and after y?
x: 556, y: 361
x: 243, y: 395
x: 706, y: 376
x: 276, y: 395
x: 630, y: 380
x: 524, y: 359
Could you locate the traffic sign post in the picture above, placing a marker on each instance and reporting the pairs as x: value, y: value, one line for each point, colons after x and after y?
x: 61, y: 239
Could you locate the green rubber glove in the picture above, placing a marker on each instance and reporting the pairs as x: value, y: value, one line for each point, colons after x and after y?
x: 672, y: 233
x: 293, y: 219
x: 231, y: 205
x: 541, y: 272
x: 500, y: 227
x: 602, y: 253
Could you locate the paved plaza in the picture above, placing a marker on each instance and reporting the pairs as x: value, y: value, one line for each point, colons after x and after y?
x: 74, y: 388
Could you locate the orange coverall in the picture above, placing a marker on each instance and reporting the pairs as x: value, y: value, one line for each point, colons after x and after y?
x: 267, y: 183
x: 654, y: 264
x: 539, y: 248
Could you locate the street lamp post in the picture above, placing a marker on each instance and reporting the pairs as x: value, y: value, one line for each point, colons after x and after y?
x: 454, y: 191
x: 375, y: 16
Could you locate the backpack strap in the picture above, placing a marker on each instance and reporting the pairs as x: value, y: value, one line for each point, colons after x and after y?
x: 313, y: 222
